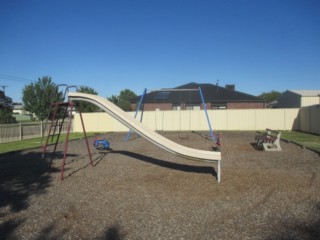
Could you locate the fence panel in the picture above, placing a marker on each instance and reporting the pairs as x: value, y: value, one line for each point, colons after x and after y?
x: 218, y: 120
x: 32, y: 130
x: 309, y: 119
x: 315, y: 120
x: 272, y: 118
x: 20, y: 131
x: 292, y: 120
x: 304, y: 116
x: 187, y: 120
x: 304, y: 119
x: 241, y: 120
x: 10, y: 132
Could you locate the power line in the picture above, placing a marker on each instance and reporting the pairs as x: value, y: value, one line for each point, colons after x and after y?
x: 13, y: 78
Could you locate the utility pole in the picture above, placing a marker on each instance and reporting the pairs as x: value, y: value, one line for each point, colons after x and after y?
x: 3, y: 87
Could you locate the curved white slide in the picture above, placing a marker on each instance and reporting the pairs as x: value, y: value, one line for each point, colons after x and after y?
x: 142, y: 130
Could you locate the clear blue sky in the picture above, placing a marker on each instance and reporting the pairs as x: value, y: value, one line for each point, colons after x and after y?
x: 258, y: 45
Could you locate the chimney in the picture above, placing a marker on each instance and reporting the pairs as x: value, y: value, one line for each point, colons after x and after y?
x: 231, y: 87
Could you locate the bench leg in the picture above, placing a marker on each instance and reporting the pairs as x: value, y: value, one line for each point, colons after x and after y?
x: 219, y: 172
x: 271, y: 147
x: 260, y: 144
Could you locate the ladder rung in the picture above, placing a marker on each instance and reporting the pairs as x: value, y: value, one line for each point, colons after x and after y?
x: 57, y: 125
x: 63, y: 104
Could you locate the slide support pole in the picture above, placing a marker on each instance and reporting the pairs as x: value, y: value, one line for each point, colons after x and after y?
x: 137, y: 110
x: 205, y: 109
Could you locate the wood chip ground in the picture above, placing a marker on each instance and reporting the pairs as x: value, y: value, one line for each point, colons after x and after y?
x: 139, y: 191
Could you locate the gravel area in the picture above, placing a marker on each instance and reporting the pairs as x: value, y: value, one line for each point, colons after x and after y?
x: 139, y: 191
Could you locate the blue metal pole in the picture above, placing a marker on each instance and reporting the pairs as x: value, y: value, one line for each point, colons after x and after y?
x: 137, y: 110
x: 205, y: 109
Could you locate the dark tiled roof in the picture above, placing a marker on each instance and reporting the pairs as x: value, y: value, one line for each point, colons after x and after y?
x: 211, y: 93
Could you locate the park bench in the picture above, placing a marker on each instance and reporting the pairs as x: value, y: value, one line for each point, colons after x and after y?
x: 269, y: 140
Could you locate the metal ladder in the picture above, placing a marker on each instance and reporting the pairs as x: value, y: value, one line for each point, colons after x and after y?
x: 59, y: 111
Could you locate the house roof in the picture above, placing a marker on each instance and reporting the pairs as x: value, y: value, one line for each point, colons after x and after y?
x: 189, y: 93
x: 306, y: 93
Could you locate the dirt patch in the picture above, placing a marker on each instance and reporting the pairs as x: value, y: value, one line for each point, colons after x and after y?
x: 139, y: 191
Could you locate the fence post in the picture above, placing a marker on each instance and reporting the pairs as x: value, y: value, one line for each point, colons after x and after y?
x: 20, y: 128
x: 41, y: 128
x: 310, y: 120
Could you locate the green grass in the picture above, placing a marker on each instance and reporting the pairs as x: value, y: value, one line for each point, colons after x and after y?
x: 306, y: 139
x: 35, y: 142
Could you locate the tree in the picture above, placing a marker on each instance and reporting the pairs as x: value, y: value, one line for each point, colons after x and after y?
x: 37, y: 97
x: 6, y: 115
x: 6, y: 108
x: 113, y: 99
x: 270, y: 96
x: 85, y: 106
x: 123, y: 100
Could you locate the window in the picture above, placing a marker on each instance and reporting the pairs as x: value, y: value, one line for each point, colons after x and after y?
x: 161, y: 96
x: 185, y: 107
x: 176, y: 107
x: 218, y: 106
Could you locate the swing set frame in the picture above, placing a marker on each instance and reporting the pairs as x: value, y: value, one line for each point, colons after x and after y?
x: 141, y: 105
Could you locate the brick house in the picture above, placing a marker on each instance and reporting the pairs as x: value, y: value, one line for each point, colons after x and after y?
x: 187, y: 97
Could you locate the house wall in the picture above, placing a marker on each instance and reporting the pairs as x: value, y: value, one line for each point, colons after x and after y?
x: 233, y: 105
x: 20, y: 111
x: 292, y: 100
x: 309, y: 101
x: 289, y: 100
x: 153, y: 106
x: 245, y: 105
x: 208, y: 106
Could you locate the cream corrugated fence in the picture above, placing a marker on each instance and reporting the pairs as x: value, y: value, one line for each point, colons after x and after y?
x: 310, y: 119
x: 188, y: 120
x: 303, y: 119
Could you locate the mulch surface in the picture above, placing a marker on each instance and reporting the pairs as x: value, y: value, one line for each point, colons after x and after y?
x: 139, y: 191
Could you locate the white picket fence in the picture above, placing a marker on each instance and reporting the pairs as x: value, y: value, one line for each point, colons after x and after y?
x: 20, y: 131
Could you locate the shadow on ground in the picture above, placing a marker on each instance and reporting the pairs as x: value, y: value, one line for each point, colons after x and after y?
x: 171, y: 165
x: 96, y: 159
x: 21, y: 175
x: 52, y: 231
x: 301, y: 230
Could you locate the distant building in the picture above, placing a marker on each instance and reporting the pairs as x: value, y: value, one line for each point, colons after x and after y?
x: 19, y: 109
x: 187, y: 97
x: 299, y: 98
x: 272, y: 104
